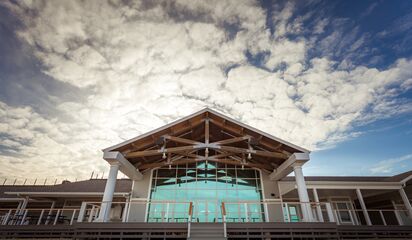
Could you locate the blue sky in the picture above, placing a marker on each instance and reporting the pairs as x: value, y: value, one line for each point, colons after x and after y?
x: 332, y: 76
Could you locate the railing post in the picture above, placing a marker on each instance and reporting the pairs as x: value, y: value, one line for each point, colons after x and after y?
x: 57, y: 217
x: 91, y: 214
x: 40, y: 217
x: 265, y: 204
x: 287, y: 212
x: 189, y: 219
x: 224, y: 220
x: 167, y: 211
x: 383, y: 217
x: 6, y: 219
x: 24, y: 216
x: 246, y: 212
x: 126, y: 206
x: 72, y: 219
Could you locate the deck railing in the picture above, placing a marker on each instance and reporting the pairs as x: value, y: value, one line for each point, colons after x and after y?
x: 35, y: 216
x: 187, y: 212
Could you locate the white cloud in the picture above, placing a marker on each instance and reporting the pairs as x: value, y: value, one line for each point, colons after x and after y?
x: 146, y: 65
x: 389, y: 165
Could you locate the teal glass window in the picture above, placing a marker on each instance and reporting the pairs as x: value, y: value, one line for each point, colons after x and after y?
x: 206, y: 185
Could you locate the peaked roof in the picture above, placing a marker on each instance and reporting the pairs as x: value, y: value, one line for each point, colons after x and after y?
x: 177, y: 136
x: 198, y: 113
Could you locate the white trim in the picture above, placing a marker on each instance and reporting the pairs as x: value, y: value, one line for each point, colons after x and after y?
x: 353, y: 185
x: 116, y: 158
x: 198, y: 113
x: 346, y: 185
x: 11, y: 199
x: 406, y: 179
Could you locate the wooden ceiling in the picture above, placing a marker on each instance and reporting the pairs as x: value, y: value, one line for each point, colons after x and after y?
x: 206, y: 136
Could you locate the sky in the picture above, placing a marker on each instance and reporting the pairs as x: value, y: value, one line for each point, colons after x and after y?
x: 334, y: 77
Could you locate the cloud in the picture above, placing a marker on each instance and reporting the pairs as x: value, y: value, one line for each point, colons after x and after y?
x: 143, y: 64
x: 388, y: 166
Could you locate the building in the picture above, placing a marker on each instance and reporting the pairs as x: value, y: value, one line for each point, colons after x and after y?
x: 209, y: 176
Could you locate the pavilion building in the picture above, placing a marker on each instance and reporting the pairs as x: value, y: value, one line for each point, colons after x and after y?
x: 209, y: 176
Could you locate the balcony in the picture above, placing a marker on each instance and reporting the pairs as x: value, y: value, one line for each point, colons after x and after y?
x: 237, y: 220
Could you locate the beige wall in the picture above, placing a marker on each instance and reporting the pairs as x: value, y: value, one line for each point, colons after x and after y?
x: 140, y: 192
x: 271, y: 195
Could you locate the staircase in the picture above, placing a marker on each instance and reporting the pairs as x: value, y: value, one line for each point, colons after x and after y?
x: 205, y: 231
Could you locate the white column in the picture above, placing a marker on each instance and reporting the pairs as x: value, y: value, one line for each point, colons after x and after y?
x: 363, y: 206
x: 108, y: 193
x: 330, y: 212
x: 303, y: 193
x: 397, y: 215
x: 82, y: 212
x: 406, y: 201
x: 318, y: 207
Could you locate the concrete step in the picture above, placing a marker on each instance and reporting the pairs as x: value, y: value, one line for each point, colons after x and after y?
x: 200, y: 231
x: 207, y: 238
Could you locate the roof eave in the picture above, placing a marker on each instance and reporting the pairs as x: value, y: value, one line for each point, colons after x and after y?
x: 198, y: 113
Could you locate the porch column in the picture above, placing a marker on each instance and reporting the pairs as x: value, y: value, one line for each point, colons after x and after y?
x: 318, y: 207
x: 406, y: 201
x: 108, y: 192
x: 363, y: 206
x: 302, y: 192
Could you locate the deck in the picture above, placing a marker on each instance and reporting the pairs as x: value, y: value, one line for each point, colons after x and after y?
x: 179, y: 231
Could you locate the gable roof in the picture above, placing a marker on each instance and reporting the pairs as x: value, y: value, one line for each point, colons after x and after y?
x: 198, y: 113
x: 190, y: 139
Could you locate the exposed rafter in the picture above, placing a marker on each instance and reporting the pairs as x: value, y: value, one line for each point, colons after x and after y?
x: 207, y: 136
x: 180, y: 140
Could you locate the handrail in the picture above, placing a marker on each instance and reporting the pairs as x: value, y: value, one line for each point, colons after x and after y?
x: 246, y: 211
x: 189, y: 223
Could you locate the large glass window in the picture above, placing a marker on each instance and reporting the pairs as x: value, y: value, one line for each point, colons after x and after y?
x: 206, y: 185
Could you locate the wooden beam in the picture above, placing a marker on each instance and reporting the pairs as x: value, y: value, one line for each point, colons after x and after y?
x: 221, y: 155
x: 187, y: 154
x: 163, y: 163
x: 192, y: 160
x: 247, y: 164
x: 232, y: 140
x: 207, y: 131
x: 255, y: 152
x: 161, y: 151
x: 224, y: 126
x: 181, y: 140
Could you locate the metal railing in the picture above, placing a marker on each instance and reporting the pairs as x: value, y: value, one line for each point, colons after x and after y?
x: 35, y: 216
x: 376, y: 216
x: 188, y: 212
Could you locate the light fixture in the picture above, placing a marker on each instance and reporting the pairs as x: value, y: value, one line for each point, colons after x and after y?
x: 164, y: 155
x: 249, y: 156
